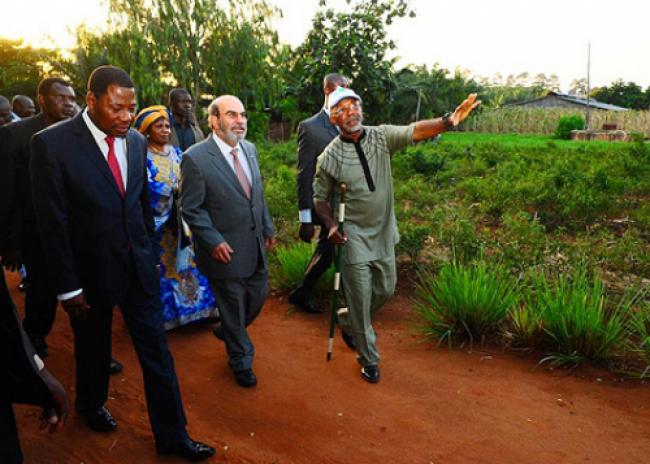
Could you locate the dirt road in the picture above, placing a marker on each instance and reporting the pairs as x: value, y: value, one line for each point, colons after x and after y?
x: 432, y: 405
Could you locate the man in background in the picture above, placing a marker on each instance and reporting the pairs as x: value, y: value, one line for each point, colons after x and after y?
x: 6, y: 115
x: 23, y: 106
x: 314, y: 134
x: 55, y: 98
x: 185, y: 131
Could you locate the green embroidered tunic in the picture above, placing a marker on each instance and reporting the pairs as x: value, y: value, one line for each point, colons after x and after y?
x: 369, y: 216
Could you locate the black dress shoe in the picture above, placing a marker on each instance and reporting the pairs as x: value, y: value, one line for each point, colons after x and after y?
x: 191, y: 450
x: 349, y: 340
x: 246, y: 378
x: 100, y: 419
x: 305, y: 305
x: 217, y: 331
x: 370, y: 373
x: 115, y: 367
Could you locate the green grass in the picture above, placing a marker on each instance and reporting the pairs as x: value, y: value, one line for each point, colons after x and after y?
x: 525, y: 141
x: 467, y: 301
x: 578, y: 323
x: 639, y: 341
x: 288, y: 264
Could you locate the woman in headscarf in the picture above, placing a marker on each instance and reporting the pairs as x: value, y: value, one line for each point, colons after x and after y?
x: 185, y: 293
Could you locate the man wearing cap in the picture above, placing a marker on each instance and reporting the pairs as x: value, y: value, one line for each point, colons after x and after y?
x: 360, y: 157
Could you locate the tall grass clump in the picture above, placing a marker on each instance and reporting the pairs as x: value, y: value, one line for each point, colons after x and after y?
x: 469, y: 301
x: 578, y: 323
x: 639, y: 341
x: 289, y: 264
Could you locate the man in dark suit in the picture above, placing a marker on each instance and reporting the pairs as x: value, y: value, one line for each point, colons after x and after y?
x: 56, y: 97
x: 314, y: 134
x: 23, y: 106
x: 92, y: 203
x: 222, y: 201
x: 23, y: 375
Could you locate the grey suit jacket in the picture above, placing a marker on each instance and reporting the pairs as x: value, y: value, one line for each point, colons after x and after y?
x: 214, y: 206
x: 314, y: 134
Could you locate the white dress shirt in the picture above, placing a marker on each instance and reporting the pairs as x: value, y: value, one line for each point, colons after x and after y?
x: 119, y: 146
x: 243, y: 159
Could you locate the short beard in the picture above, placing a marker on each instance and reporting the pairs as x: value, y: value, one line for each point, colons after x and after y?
x: 229, y: 136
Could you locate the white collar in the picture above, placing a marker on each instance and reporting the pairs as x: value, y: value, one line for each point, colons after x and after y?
x: 224, y: 147
x: 96, y: 132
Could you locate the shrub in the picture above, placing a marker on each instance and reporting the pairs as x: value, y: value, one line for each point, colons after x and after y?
x: 568, y: 123
x: 412, y: 238
x: 578, y: 324
x: 288, y: 266
x: 464, y: 300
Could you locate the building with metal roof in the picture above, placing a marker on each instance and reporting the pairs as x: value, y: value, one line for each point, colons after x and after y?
x: 565, y: 100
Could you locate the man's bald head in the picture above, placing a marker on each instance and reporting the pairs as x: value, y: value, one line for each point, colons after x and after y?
x: 5, y: 111
x: 23, y: 106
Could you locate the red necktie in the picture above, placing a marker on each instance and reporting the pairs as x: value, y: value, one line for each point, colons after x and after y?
x: 114, y: 165
x: 239, y: 171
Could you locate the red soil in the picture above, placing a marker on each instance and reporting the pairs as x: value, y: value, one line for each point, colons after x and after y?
x: 432, y: 405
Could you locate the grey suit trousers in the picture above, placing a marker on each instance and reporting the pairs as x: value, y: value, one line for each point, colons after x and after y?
x: 240, y: 302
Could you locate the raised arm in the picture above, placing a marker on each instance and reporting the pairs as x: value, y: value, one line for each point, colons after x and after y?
x: 429, y: 128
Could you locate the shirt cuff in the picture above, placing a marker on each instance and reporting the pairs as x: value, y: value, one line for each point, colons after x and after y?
x: 68, y: 295
x: 304, y: 215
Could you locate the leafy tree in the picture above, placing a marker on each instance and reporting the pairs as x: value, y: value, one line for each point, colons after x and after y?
x: 628, y: 95
x: 353, y: 43
x: 194, y: 44
x: 21, y: 68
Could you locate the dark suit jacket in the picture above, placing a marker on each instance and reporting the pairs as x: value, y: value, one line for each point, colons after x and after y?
x: 314, y: 134
x: 91, y: 235
x: 19, y: 376
x: 15, y: 145
x: 215, y: 207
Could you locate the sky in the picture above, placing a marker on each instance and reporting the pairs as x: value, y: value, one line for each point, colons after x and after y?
x: 482, y: 37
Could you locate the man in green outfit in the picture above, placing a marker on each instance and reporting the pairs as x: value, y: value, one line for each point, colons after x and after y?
x: 360, y: 157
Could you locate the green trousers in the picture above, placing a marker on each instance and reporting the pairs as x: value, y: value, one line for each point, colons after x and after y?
x: 367, y: 286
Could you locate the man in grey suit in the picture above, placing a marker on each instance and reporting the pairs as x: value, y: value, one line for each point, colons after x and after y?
x: 314, y: 134
x: 222, y: 201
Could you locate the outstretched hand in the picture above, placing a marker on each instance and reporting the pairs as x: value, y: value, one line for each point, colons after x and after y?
x: 464, y: 109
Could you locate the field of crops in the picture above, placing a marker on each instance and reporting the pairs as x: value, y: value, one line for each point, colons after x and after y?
x: 543, y: 121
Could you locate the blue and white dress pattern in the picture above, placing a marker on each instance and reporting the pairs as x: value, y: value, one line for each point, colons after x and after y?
x: 185, y: 293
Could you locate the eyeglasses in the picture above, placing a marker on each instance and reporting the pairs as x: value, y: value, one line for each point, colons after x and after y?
x: 348, y: 107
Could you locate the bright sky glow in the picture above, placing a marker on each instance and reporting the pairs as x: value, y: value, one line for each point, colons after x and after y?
x: 499, y: 36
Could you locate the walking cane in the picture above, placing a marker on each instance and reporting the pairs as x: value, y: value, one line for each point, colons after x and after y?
x: 337, y: 272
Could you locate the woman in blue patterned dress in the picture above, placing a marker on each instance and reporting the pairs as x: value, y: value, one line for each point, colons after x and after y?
x: 186, y: 295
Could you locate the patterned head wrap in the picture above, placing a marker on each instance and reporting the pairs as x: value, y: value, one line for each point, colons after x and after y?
x: 147, y: 116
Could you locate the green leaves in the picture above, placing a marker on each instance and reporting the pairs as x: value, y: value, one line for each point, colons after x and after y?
x: 469, y: 301
x: 352, y: 43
